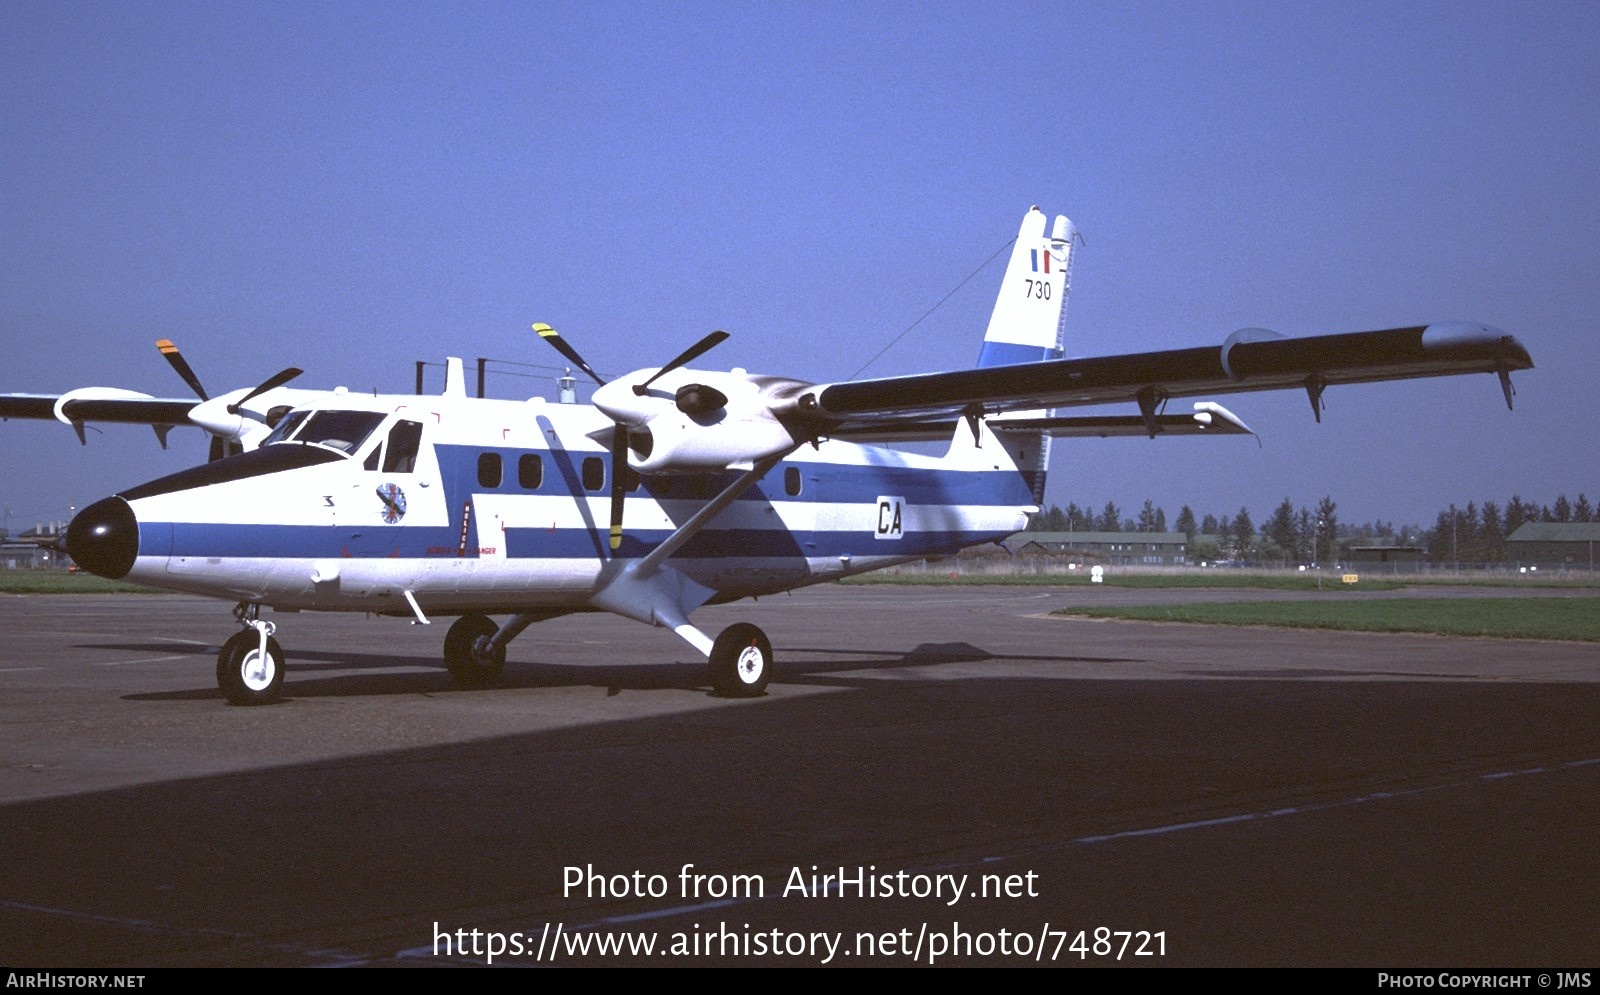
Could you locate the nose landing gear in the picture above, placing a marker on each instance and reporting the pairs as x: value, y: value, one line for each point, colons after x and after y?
x: 251, y: 665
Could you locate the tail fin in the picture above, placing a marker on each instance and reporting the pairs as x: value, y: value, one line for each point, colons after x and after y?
x: 1027, y: 323
x: 1031, y: 310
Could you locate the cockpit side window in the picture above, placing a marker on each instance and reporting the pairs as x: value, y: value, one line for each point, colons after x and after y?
x: 400, y: 454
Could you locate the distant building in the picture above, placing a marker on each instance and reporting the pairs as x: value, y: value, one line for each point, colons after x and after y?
x: 1390, y: 557
x: 34, y: 548
x: 1121, y: 548
x: 1555, y: 545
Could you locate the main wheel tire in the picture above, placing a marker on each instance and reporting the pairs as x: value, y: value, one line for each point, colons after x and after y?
x: 741, y: 661
x: 468, y: 665
x: 245, y: 677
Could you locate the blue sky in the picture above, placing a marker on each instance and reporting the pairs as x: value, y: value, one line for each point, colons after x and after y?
x: 350, y: 187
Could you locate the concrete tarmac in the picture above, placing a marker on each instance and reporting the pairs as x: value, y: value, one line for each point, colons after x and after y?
x: 942, y: 775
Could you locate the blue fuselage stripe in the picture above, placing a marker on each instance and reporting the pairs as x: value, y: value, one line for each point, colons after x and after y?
x: 188, y: 540
x: 941, y: 493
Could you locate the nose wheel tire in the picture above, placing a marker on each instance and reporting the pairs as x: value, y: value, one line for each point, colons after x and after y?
x: 741, y: 661
x: 466, y: 652
x: 244, y: 675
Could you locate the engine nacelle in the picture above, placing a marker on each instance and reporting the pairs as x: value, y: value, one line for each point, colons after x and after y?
x: 680, y: 445
x: 694, y: 421
x: 214, y: 417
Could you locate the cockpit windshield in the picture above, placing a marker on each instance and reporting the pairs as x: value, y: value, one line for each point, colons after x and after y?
x: 285, y: 428
x: 344, y: 431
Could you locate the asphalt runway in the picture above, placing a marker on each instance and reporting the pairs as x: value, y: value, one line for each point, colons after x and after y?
x: 1126, y: 793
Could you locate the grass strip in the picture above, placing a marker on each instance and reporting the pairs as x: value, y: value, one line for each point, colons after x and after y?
x: 1500, y: 618
x: 61, y: 582
x: 1269, y: 582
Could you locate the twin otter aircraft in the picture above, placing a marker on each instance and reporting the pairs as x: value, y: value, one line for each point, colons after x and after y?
x: 676, y: 488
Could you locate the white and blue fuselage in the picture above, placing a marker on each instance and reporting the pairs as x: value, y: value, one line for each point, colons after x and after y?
x: 501, y: 506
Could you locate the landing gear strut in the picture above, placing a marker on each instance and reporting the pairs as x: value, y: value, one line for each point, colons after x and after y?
x: 251, y: 664
x: 475, y: 648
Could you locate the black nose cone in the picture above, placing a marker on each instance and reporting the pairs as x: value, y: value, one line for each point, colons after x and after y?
x: 104, y: 538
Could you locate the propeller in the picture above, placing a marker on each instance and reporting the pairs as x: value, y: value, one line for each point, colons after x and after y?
x: 553, y: 337
x: 686, y: 356
x: 690, y: 399
x: 220, y: 447
x: 175, y: 358
x: 278, y: 379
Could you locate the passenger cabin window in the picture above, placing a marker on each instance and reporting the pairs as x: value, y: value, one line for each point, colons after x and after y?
x: 489, y: 470
x: 530, y: 471
x: 791, y: 481
x: 594, y: 473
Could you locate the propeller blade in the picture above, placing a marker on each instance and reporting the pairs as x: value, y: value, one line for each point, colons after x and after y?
x: 278, y: 379
x: 553, y: 337
x: 175, y: 358
x: 687, y: 356
x: 619, y: 480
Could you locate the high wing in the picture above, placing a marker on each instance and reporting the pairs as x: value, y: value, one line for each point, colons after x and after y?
x: 83, y: 405
x: 1250, y: 360
x: 101, y: 404
x: 238, y: 419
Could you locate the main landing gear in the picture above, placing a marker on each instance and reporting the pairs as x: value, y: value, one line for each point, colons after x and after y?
x: 741, y: 661
x: 475, y: 653
x: 469, y: 651
x: 250, y: 666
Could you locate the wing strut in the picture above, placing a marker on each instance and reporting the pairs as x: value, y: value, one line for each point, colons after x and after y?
x: 647, y: 591
x: 713, y: 508
x: 1505, y: 386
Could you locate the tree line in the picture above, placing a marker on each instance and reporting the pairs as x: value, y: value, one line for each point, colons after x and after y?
x: 1473, y: 534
